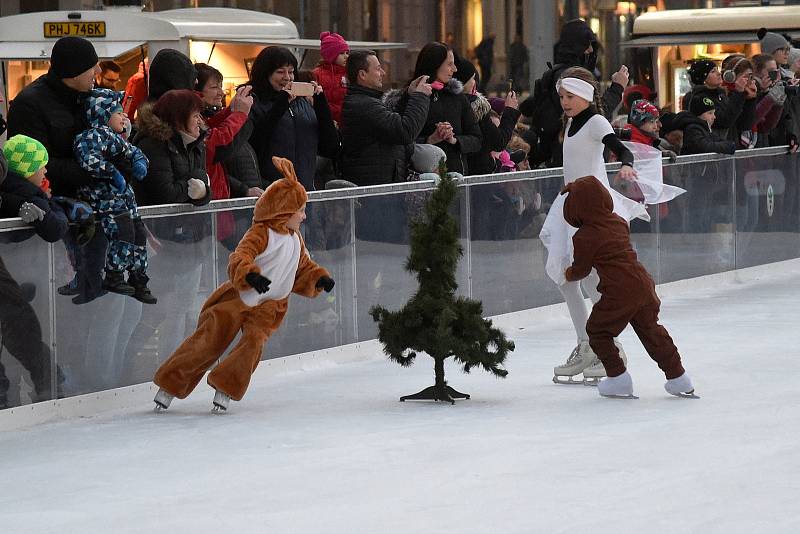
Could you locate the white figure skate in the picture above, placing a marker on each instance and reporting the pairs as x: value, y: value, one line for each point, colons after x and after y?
x: 681, y: 387
x: 221, y: 401
x: 582, y: 357
x: 596, y: 371
x: 617, y: 387
x: 162, y: 400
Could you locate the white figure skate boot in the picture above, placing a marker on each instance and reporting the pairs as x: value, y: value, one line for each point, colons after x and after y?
x: 162, y: 400
x: 596, y: 371
x: 582, y: 357
x: 681, y: 387
x: 221, y: 401
x: 618, y: 387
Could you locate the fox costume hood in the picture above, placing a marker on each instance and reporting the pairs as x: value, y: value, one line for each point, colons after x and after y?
x: 282, y: 199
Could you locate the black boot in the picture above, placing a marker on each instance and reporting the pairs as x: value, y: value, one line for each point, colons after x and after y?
x: 141, y: 292
x: 115, y: 282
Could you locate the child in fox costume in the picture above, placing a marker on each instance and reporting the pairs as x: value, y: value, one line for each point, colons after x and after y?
x: 628, y: 293
x: 270, y: 262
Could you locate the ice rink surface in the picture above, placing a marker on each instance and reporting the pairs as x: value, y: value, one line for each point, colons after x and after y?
x: 331, y: 450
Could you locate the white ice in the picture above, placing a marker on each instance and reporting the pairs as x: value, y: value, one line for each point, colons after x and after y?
x: 333, y: 451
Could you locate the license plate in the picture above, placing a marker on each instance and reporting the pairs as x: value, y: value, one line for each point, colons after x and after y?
x: 54, y: 30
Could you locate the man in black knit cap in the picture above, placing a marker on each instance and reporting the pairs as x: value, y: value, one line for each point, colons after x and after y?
x: 51, y: 111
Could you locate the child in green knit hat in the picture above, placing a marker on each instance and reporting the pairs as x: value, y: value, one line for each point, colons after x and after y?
x: 26, y: 192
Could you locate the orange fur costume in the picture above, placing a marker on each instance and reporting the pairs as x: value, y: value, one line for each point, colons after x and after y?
x: 270, y: 249
x: 628, y: 292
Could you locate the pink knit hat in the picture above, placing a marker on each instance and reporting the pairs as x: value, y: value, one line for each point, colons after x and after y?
x: 331, y: 45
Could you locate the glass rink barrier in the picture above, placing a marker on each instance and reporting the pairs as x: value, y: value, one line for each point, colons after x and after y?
x: 738, y: 211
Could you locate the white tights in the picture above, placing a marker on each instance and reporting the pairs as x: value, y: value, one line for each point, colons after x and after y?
x: 571, y: 291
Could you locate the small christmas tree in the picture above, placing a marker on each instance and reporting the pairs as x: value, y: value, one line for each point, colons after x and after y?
x: 435, y: 321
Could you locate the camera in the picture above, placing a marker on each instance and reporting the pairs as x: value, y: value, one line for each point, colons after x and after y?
x: 623, y: 133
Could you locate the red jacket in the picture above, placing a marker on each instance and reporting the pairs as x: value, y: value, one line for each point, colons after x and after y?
x: 135, y: 92
x: 223, y: 127
x: 333, y: 79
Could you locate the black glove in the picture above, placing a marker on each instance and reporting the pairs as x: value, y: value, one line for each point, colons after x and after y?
x: 259, y: 283
x: 325, y: 283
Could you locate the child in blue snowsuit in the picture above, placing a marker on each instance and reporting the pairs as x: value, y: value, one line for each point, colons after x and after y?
x: 110, y: 195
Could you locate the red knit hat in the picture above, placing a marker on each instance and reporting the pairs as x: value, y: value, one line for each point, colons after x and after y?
x: 331, y: 45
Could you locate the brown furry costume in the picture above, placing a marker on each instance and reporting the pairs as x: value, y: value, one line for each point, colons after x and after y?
x: 235, y: 305
x: 628, y: 292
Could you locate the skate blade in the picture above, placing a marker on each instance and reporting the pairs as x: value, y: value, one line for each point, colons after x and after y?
x: 626, y: 397
x: 218, y: 409
x: 568, y: 382
x: 687, y: 395
x: 592, y: 381
x: 159, y: 408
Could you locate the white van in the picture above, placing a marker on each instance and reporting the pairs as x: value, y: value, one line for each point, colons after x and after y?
x: 666, y: 40
x: 225, y: 38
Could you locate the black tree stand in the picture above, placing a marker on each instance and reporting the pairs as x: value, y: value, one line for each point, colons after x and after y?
x: 439, y: 391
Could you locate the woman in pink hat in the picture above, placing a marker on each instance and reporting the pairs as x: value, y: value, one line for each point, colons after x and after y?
x: 330, y: 73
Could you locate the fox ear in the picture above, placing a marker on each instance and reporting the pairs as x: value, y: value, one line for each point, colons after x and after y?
x: 285, y: 167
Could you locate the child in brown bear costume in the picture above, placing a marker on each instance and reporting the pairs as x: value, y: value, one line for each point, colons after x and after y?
x: 628, y: 292
x: 269, y: 263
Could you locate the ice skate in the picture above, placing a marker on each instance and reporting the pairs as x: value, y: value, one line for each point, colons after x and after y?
x: 162, y: 400
x: 582, y: 357
x: 617, y: 387
x: 596, y: 371
x: 221, y: 401
x: 681, y: 387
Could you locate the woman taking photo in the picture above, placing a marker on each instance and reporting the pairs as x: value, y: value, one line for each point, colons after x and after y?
x: 450, y: 125
x: 297, y: 128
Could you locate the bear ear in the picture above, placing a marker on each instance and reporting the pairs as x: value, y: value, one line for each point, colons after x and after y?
x: 285, y: 167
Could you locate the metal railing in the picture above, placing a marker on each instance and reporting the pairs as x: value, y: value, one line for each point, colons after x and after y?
x: 738, y: 211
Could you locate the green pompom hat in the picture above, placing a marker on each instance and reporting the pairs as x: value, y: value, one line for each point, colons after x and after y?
x: 25, y: 155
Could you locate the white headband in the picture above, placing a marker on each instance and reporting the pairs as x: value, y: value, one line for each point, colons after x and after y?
x: 577, y: 87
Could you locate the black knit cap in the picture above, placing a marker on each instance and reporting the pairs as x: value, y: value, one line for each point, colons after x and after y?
x: 701, y: 104
x: 170, y: 69
x: 466, y: 69
x: 699, y: 70
x: 72, y: 56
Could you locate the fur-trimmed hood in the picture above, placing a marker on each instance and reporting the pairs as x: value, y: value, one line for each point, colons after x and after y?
x: 480, y: 107
x: 149, y: 125
x: 396, y: 97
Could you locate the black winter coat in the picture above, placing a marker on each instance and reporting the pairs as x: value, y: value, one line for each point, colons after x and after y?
x: 172, y: 163
x: 52, y: 113
x: 494, y: 138
x: 375, y: 138
x: 16, y: 190
x: 297, y: 131
x: 698, y: 137
x: 451, y: 105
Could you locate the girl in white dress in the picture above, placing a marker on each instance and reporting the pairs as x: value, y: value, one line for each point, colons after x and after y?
x: 586, y: 135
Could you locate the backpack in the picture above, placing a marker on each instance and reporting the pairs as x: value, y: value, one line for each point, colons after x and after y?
x: 545, y: 98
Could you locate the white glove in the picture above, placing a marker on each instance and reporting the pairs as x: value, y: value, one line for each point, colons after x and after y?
x: 29, y: 212
x: 197, y: 188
